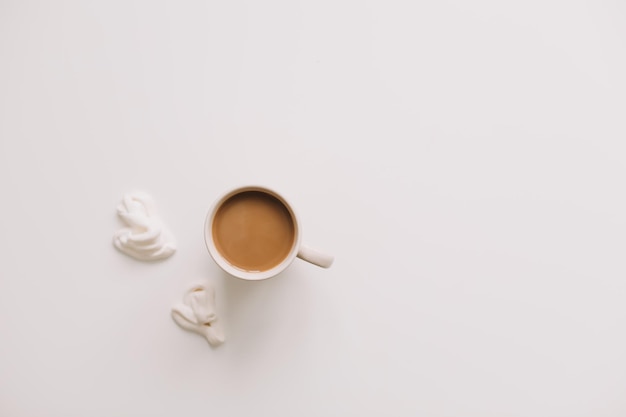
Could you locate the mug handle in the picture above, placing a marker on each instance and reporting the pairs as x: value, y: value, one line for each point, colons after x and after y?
x: 315, y: 257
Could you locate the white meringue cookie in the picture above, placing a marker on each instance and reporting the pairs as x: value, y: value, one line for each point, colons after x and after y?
x: 198, y: 314
x: 146, y: 238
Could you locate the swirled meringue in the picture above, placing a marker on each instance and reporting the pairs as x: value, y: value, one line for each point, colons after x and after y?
x: 146, y: 238
x: 197, y: 314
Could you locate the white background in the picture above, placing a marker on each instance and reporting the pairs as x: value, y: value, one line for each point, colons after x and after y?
x: 464, y: 162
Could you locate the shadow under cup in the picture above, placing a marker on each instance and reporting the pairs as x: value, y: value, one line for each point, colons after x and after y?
x: 252, y: 233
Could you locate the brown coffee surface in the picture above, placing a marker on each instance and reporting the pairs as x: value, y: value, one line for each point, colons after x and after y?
x: 253, y: 230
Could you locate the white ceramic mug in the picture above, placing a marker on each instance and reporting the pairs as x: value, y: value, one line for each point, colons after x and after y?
x: 297, y: 249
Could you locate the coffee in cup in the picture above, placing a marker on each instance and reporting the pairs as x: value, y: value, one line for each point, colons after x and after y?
x: 253, y: 233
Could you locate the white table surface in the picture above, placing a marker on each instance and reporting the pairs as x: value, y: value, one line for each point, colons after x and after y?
x: 464, y: 162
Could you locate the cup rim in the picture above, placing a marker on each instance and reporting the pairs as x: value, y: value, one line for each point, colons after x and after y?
x: 222, y: 262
